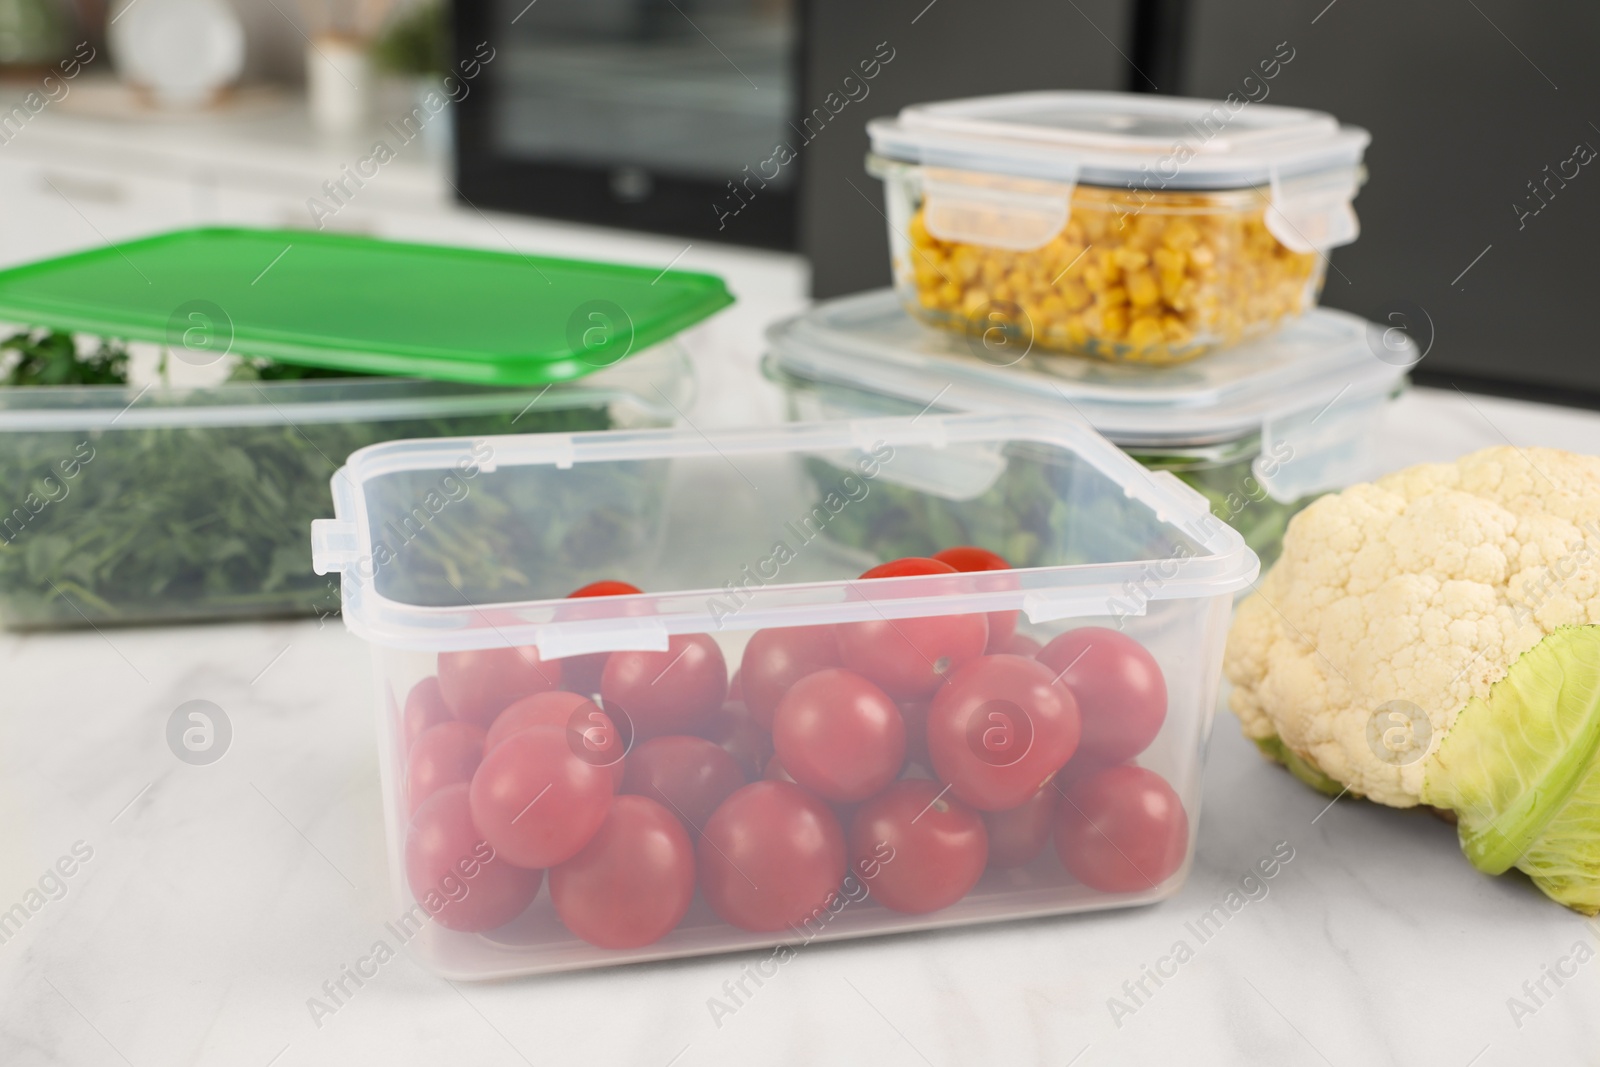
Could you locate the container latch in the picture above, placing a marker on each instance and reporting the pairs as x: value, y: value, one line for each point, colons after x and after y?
x: 335, y: 545
x: 996, y: 210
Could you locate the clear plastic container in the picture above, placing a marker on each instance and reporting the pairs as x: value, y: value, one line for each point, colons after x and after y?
x: 741, y: 549
x: 1123, y: 227
x: 167, y: 504
x: 1260, y: 430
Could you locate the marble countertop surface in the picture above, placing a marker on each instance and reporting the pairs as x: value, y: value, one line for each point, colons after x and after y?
x: 207, y: 904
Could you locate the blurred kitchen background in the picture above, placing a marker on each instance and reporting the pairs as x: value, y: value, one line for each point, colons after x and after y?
x: 739, y: 123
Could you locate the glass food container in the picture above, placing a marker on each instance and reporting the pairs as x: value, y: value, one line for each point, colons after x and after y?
x: 575, y: 782
x: 1123, y: 227
x: 167, y: 504
x: 1259, y: 430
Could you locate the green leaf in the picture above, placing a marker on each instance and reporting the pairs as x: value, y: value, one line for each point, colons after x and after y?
x: 1520, y: 770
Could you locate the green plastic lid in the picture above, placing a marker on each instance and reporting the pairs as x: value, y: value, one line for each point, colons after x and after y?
x: 362, y: 304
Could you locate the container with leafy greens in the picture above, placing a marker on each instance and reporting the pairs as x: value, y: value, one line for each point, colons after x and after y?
x: 158, y: 503
x: 1259, y: 430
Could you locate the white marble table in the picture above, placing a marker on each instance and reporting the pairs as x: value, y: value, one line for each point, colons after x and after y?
x: 217, y: 899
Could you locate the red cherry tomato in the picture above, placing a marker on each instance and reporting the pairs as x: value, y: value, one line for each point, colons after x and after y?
x: 910, y: 658
x: 1121, y: 830
x: 535, y: 801
x: 446, y: 754
x: 1121, y: 693
x: 689, y: 776
x: 673, y: 692
x: 771, y: 858
x: 1002, y: 624
x: 839, y: 735
x: 1017, y: 835
x: 1000, y: 730
x: 929, y: 847
x: 738, y: 733
x: 581, y: 674
x: 454, y: 873
x: 634, y: 880
x: 424, y: 708
x: 908, y: 566
x: 480, y: 684
x: 592, y: 734
x: 776, y: 659
x: 1019, y: 645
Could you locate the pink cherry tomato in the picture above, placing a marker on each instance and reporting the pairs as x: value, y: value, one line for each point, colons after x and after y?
x: 424, y: 708
x: 1002, y: 624
x: 689, y: 776
x: 454, y: 873
x: 1121, y: 830
x: 930, y: 848
x: 634, y: 880
x: 839, y: 735
x: 479, y: 684
x: 673, y: 692
x: 771, y: 857
x: 1000, y: 730
x: 446, y: 754
x: 1121, y: 694
x: 592, y: 734
x: 535, y: 801
x: 775, y: 659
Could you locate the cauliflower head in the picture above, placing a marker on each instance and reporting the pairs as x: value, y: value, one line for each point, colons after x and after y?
x: 1434, y: 637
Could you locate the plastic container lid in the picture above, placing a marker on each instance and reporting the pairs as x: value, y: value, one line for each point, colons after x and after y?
x: 1310, y: 165
x: 727, y: 488
x: 1120, y: 138
x: 1313, y: 381
x: 362, y: 304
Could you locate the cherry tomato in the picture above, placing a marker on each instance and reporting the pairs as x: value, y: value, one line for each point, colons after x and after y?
x: 909, y: 658
x: 771, y: 857
x: 634, y: 880
x: 776, y: 659
x: 1121, y: 693
x: 908, y: 566
x: 591, y: 733
x: 1019, y: 645
x: 480, y: 684
x: 930, y: 847
x: 689, y: 776
x: 1121, y: 830
x: 424, y: 708
x: 446, y: 754
x: 1000, y: 730
x: 1017, y: 835
x: 673, y: 692
x: 535, y: 801
x: 839, y: 735
x: 454, y: 873
x: 581, y: 674
x: 1002, y: 624
x: 738, y: 733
